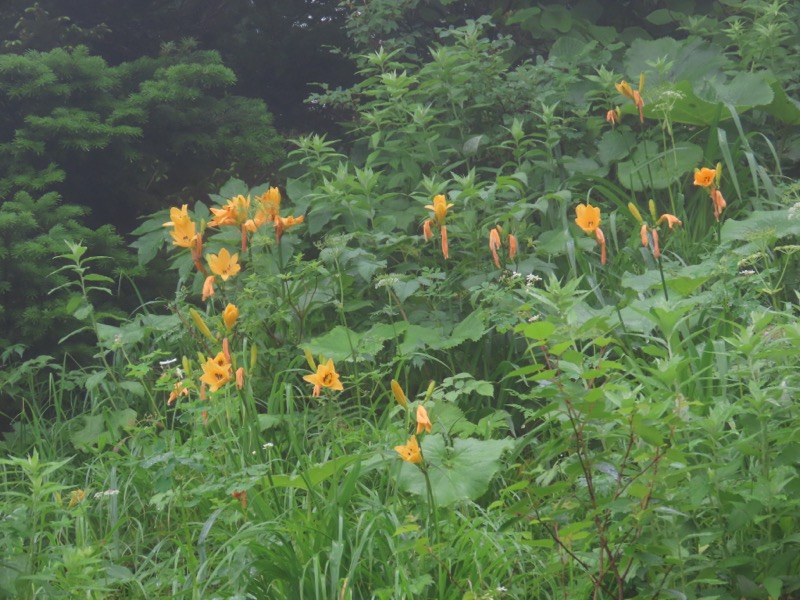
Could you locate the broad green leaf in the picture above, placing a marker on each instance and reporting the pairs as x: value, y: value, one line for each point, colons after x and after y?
x: 313, y: 476
x: 651, y: 169
x: 456, y: 473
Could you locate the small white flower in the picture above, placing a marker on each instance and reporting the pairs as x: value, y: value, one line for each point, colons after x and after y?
x: 534, y: 318
x: 268, y: 445
x: 179, y: 373
x: 166, y: 363
x: 530, y: 279
x: 746, y: 272
x: 502, y: 588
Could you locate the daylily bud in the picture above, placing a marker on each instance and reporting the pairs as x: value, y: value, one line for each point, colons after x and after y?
x: 429, y: 392
x: 201, y: 325
x: 643, y: 233
x: 253, y: 356
x: 230, y: 315
x: 512, y: 246
x: 399, y: 395
x: 652, y: 206
x: 635, y: 212
x: 310, y: 360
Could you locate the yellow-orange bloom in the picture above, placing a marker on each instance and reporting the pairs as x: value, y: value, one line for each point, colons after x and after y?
x: 208, y: 287
x: 216, y: 372
x: 235, y: 212
x: 704, y: 177
x: 178, y: 216
x: 325, y: 377
x: 587, y: 217
x: 257, y: 221
x: 670, y: 219
x: 284, y: 223
x: 76, y: 497
x: 624, y: 88
x: 410, y: 452
x: 612, y: 116
x: 445, y: 245
x: 184, y: 234
x: 230, y: 315
x: 512, y: 246
x: 179, y: 390
x: 423, y: 421
x: 271, y: 202
x: 439, y: 208
x: 223, y: 264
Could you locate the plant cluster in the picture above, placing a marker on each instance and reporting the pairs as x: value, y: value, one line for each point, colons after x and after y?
x: 503, y: 348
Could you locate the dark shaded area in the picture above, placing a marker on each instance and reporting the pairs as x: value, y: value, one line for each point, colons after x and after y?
x: 277, y: 48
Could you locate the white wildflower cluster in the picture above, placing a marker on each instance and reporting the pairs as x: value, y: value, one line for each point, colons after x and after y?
x: 794, y: 212
x: 385, y: 281
x: 532, y: 279
x: 111, y: 492
x: 746, y: 272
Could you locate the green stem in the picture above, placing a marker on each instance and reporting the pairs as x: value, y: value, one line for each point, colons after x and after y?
x: 431, y: 505
x: 663, y: 281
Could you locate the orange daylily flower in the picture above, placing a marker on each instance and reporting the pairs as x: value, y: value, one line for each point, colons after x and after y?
x: 587, y: 217
x: 624, y: 88
x: 230, y: 315
x: 257, y: 221
x: 423, y: 421
x: 184, y: 234
x: 235, y: 212
x: 670, y: 219
x: 704, y: 177
x: 612, y: 116
x: 216, y: 372
x: 439, y: 208
x: 284, y: 223
x: 325, y: 377
x: 223, y: 264
x: 179, y: 390
x: 410, y: 452
x: 271, y: 202
x: 178, y: 216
